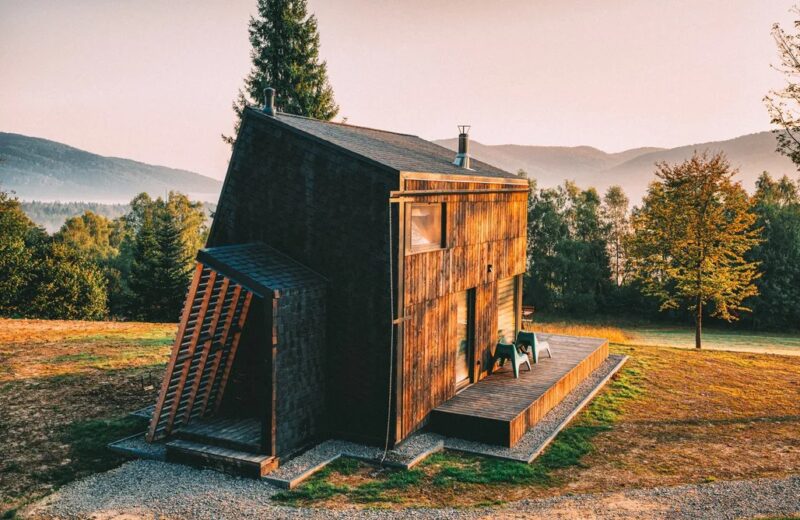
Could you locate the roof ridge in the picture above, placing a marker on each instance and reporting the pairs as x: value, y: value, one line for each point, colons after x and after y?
x: 286, y: 114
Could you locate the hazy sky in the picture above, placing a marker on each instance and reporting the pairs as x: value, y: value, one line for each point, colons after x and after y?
x: 154, y: 80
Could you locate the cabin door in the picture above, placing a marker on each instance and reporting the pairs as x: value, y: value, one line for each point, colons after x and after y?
x: 465, y: 325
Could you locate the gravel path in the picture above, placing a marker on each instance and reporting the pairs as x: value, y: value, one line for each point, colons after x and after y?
x: 150, y: 489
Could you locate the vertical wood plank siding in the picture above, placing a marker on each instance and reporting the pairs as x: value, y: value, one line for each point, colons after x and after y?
x: 482, y: 229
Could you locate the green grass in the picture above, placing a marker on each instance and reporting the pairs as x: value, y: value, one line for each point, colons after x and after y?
x: 683, y: 337
x: 82, y: 357
x: 319, y: 486
x: 455, y: 470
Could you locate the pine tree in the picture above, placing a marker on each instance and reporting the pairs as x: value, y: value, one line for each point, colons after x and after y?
x: 691, y: 236
x: 285, y: 56
x: 144, y: 264
x: 171, y: 275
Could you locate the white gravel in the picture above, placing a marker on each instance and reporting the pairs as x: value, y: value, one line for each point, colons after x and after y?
x: 151, y: 489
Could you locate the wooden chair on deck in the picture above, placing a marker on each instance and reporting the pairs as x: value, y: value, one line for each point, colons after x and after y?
x: 505, y: 351
x: 527, y: 340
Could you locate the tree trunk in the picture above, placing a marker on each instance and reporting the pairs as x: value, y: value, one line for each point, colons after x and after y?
x: 698, y: 323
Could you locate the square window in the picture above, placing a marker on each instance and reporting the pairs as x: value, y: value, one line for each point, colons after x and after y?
x: 425, y: 230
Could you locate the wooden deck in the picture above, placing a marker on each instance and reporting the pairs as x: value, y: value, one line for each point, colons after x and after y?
x: 500, y: 409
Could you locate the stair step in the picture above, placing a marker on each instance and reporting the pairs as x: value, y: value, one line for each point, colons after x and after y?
x: 230, y: 461
x: 234, y: 434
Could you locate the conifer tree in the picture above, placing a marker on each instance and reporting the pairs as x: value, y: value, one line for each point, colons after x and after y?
x: 285, y: 56
x: 172, y: 274
x: 691, y: 236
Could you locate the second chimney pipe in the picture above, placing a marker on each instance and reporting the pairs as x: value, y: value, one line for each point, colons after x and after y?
x: 462, y: 157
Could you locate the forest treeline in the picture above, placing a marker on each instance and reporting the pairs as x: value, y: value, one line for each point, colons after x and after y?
x: 135, y: 266
x: 587, y: 255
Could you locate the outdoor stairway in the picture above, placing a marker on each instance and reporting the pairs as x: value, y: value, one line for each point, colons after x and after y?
x: 224, y: 444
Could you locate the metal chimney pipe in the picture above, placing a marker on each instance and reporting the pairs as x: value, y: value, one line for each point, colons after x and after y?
x: 269, y: 101
x: 462, y: 157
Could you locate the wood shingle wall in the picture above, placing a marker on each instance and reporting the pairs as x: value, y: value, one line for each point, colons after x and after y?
x: 328, y: 210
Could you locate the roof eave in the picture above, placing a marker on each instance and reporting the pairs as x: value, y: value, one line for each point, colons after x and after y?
x: 463, y: 177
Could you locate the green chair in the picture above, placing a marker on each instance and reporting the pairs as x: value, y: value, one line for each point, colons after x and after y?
x: 505, y: 351
x: 527, y: 341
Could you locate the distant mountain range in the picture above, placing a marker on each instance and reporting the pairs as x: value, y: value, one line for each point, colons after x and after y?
x: 632, y: 169
x: 38, y: 169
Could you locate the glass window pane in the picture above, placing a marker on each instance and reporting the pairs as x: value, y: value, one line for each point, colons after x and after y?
x: 426, y: 226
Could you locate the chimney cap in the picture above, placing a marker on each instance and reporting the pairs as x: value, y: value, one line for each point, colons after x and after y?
x: 462, y: 157
x: 269, y: 101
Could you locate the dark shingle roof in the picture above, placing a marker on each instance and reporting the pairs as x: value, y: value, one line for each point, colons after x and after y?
x: 401, y: 152
x: 259, y: 268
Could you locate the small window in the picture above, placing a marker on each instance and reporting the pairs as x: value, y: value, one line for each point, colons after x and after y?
x: 426, y: 227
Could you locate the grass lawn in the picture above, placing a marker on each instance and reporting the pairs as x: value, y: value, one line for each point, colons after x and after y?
x: 65, y: 390
x: 672, y: 416
x: 681, y: 337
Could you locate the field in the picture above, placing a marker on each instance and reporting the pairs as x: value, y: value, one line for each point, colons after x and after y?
x: 65, y: 390
x: 681, y: 337
x: 672, y: 416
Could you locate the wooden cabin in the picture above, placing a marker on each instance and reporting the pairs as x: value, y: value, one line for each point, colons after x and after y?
x: 354, y: 281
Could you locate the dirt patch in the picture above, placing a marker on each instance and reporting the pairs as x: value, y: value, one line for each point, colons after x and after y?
x: 65, y: 390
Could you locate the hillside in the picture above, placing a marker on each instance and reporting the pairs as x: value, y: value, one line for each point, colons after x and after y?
x: 38, y: 169
x: 632, y: 169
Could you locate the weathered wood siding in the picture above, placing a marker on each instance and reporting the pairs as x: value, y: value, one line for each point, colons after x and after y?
x: 482, y: 230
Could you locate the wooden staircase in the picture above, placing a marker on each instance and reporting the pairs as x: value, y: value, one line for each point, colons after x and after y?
x: 223, y: 444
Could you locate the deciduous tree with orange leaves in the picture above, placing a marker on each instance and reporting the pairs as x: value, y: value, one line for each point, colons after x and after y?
x: 690, y: 239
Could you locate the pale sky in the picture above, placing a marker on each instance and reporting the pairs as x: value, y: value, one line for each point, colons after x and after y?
x: 153, y: 80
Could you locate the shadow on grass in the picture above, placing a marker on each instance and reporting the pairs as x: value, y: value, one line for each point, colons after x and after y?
x: 88, y: 452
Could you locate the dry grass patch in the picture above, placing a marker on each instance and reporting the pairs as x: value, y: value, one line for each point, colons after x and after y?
x: 65, y: 391
x: 612, y: 334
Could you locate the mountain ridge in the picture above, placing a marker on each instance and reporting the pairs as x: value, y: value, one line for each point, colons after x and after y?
x: 633, y: 169
x: 42, y: 169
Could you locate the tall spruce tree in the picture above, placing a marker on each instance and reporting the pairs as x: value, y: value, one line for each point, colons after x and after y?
x: 285, y: 56
x: 171, y: 275
x: 691, y: 238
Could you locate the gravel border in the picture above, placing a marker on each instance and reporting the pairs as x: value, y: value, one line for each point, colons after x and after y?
x: 543, y: 432
x: 405, y: 456
x: 149, y: 489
